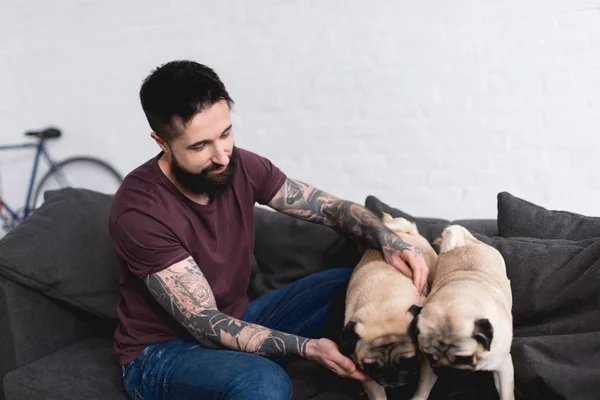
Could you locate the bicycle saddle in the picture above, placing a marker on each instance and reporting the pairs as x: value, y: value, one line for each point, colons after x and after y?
x: 48, y: 133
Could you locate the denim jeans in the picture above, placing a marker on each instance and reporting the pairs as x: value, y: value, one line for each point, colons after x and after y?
x: 182, y: 369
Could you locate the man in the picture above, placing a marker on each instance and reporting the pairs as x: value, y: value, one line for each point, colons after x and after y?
x: 182, y: 225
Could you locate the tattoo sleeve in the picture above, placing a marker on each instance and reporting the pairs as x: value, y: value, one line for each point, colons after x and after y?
x: 303, y: 201
x: 185, y: 293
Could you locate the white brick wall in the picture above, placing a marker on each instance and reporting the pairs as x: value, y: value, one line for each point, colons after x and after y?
x: 434, y: 107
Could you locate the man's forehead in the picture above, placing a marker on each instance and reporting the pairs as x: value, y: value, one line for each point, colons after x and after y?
x: 206, y: 125
x: 194, y: 133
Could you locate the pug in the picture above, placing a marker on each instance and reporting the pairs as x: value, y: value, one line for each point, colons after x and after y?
x: 466, y: 321
x: 380, y: 310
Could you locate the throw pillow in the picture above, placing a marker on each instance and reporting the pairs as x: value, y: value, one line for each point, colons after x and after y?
x: 63, y: 250
x: 556, y: 315
x: 518, y: 217
x: 554, y: 282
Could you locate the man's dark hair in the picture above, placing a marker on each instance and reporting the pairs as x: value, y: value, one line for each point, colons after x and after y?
x: 178, y: 90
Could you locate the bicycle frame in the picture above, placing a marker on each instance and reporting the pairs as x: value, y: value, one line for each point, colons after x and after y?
x: 40, y: 151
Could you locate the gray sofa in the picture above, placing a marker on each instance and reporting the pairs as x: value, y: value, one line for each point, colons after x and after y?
x: 59, y: 286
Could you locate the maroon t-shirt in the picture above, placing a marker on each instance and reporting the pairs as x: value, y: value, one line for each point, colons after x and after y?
x: 153, y: 225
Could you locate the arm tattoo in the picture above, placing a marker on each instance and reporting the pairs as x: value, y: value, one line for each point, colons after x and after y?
x: 185, y: 293
x: 303, y: 201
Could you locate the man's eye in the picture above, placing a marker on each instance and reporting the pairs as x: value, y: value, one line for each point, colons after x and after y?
x: 225, y: 134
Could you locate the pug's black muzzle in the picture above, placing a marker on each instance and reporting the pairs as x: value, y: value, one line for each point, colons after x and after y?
x: 394, y: 375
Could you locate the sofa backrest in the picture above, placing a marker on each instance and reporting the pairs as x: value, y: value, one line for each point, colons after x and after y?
x: 63, y: 250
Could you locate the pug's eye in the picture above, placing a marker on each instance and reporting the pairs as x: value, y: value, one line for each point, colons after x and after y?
x: 406, y: 362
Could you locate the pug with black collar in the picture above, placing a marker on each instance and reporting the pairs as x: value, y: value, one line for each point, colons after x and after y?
x: 381, y: 305
x: 466, y: 321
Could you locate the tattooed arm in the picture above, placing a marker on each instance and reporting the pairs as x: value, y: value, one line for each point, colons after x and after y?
x: 185, y: 293
x: 306, y: 202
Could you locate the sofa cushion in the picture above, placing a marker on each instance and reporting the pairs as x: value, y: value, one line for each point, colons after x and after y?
x: 557, y: 366
x: 287, y: 249
x: 518, y: 217
x: 63, y: 250
x: 87, y: 369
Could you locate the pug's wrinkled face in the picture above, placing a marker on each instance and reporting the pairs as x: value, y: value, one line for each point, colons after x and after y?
x: 390, y: 360
x: 455, y: 346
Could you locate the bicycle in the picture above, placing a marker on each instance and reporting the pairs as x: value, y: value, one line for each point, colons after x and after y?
x: 57, y: 171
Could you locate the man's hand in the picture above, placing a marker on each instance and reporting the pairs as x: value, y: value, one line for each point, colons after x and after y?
x: 406, y: 258
x: 327, y: 353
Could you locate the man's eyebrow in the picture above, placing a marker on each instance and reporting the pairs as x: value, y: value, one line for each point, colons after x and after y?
x: 227, y: 129
x: 200, y: 142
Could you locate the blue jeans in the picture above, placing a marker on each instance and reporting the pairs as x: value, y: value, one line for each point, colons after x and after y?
x: 182, y: 369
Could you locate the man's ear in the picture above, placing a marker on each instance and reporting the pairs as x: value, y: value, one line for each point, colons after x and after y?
x: 160, y: 142
x: 483, y: 333
x: 413, y: 330
x: 348, y: 339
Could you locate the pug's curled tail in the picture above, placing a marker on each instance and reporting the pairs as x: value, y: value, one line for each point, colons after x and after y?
x: 455, y: 236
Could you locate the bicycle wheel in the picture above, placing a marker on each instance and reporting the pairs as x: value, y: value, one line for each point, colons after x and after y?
x: 78, y: 172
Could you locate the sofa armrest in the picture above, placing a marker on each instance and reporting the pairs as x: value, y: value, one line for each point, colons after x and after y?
x: 32, y: 326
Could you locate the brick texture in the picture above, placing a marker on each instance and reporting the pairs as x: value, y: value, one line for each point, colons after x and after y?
x: 434, y: 107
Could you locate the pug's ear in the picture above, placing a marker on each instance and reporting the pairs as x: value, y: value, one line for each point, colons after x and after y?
x: 483, y: 333
x: 415, y: 310
x: 413, y: 330
x: 348, y: 339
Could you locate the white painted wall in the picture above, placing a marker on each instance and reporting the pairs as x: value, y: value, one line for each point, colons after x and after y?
x: 433, y: 106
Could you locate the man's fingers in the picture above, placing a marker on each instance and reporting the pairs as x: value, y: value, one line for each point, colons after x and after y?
x: 353, y: 372
x: 336, y: 370
x: 419, y: 274
x: 350, y: 371
x: 346, y: 364
x: 423, y: 272
x: 404, y: 268
x: 422, y: 279
x: 359, y: 375
x: 420, y: 270
x: 348, y: 368
x: 345, y: 367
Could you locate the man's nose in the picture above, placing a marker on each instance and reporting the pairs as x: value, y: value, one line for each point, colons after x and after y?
x: 219, y: 155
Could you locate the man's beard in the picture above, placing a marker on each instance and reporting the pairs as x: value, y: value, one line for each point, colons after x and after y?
x: 205, y: 182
